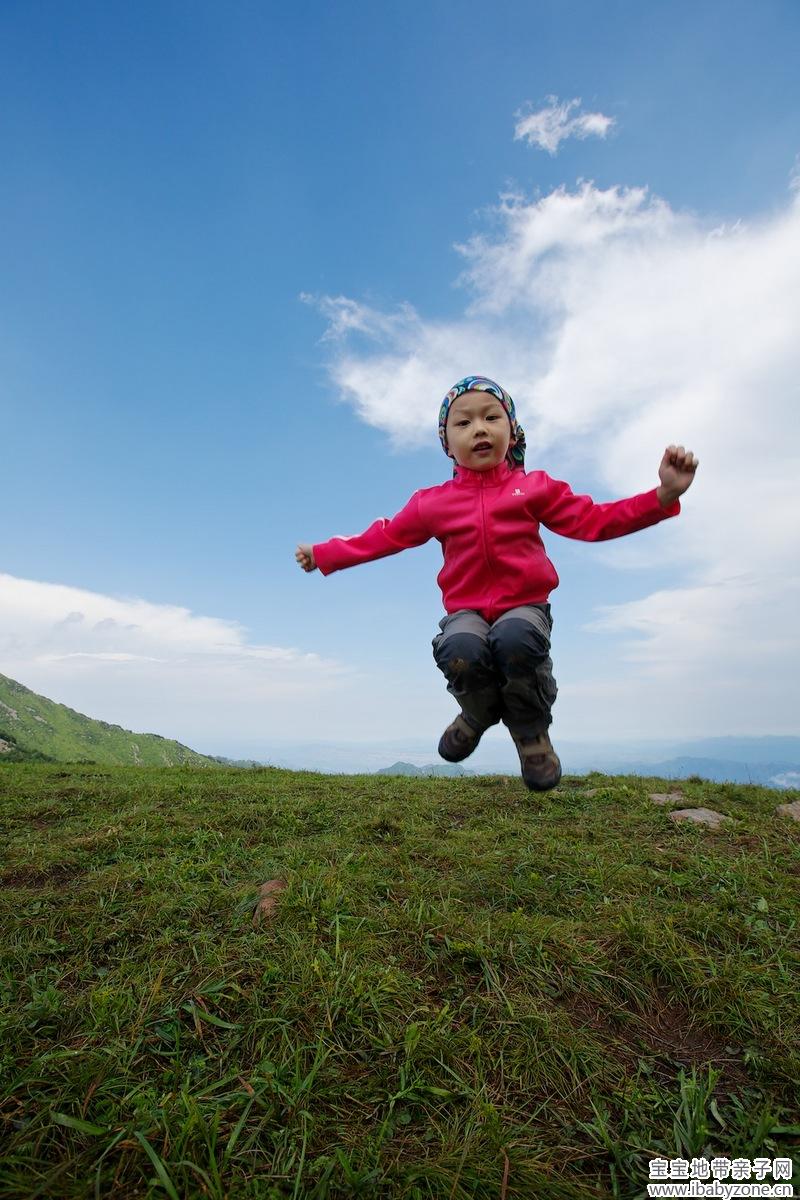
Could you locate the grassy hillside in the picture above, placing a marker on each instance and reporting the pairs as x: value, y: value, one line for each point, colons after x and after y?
x: 34, y: 727
x: 464, y: 990
x: 11, y: 752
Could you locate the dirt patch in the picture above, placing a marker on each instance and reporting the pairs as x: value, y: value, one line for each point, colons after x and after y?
x: 91, y: 840
x: 492, y: 782
x: 669, y: 1031
x: 55, y: 876
x: 384, y: 830
x: 665, y: 1036
x: 452, y: 819
x: 585, y: 1012
x: 742, y: 845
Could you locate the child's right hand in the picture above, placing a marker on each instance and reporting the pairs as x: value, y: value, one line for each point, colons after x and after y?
x: 305, y: 557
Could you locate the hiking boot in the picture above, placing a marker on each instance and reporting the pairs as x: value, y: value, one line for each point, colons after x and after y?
x: 458, y: 740
x: 541, y: 767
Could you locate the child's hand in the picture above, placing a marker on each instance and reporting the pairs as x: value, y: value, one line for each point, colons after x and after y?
x: 676, y: 473
x: 305, y: 557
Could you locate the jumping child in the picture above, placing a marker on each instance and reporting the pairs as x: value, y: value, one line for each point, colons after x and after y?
x: 494, y: 644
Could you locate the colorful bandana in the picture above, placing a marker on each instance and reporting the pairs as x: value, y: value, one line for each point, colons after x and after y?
x: 479, y: 383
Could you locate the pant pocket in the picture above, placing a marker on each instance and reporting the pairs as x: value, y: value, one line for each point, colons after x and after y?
x: 546, y: 685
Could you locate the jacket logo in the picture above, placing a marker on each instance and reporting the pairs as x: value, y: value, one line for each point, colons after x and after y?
x: 517, y: 492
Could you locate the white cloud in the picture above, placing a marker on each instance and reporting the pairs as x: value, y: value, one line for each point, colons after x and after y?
x: 396, y: 388
x: 788, y: 779
x: 157, y: 667
x: 551, y: 125
x: 619, y: 326
x: 794, y: 174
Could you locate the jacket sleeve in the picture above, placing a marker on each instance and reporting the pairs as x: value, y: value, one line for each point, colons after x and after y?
x: 559, y: 509
x: 383, y: 537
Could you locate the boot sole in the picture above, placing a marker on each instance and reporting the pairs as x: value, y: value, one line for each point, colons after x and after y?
x: 541, y: 786
x: 459, y: 758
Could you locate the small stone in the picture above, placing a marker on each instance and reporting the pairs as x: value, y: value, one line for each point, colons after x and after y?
x: 666, y: 797
x: 266, y: 900
x: 700, y: 816
x: 789, y: 810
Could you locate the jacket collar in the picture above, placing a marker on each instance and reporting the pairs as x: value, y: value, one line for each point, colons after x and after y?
x: 491, y: 478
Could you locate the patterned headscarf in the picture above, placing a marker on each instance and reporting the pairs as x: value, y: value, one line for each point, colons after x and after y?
x: 479, y: 383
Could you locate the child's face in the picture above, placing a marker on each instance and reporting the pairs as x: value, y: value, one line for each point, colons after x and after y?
x: 478, y: 431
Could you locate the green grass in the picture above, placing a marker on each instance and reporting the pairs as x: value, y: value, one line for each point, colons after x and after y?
x: 465, y: 990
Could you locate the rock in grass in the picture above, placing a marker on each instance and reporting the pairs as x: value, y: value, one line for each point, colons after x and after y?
x: 700, y: 816
x: 666, y: 797
x: 789, y: 810
x: 267, y: 901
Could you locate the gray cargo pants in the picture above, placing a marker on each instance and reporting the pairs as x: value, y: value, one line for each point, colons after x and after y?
x: 500, y: 672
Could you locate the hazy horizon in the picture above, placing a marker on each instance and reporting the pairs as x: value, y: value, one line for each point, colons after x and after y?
x: 496, y: 753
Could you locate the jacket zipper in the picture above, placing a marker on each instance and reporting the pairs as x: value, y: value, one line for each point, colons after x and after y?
x: 486, y: 554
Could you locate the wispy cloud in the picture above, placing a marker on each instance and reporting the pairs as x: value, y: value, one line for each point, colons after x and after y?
x: 156, y: 667
x: 548, y: 127
x: 620, y: 325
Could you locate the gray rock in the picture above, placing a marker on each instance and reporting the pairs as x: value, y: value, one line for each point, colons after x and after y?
x: 666, y: 797
x: 789, y: 810
x: 700, y: 816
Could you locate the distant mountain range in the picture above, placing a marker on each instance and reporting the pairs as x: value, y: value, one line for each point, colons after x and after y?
x: 406, y: 768
x: 36, y: 729
x: 774, y: 775
x: 767, y: 761
x: 770, y: 761
x: 781, y: 774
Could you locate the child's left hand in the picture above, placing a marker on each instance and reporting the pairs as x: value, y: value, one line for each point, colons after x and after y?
x: 677, y: 471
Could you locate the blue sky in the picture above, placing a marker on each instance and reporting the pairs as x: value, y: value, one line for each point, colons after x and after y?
x: 200, y: 201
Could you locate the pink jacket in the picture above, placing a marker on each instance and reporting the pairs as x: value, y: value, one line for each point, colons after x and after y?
x: 488, y: 525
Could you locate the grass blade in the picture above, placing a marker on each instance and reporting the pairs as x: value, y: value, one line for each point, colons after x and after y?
x: 77, y: 1123
x: 160, y: 1169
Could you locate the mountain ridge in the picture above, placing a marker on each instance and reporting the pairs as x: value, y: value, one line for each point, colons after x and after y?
x: 407, y: 768
x: 35, y: 728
